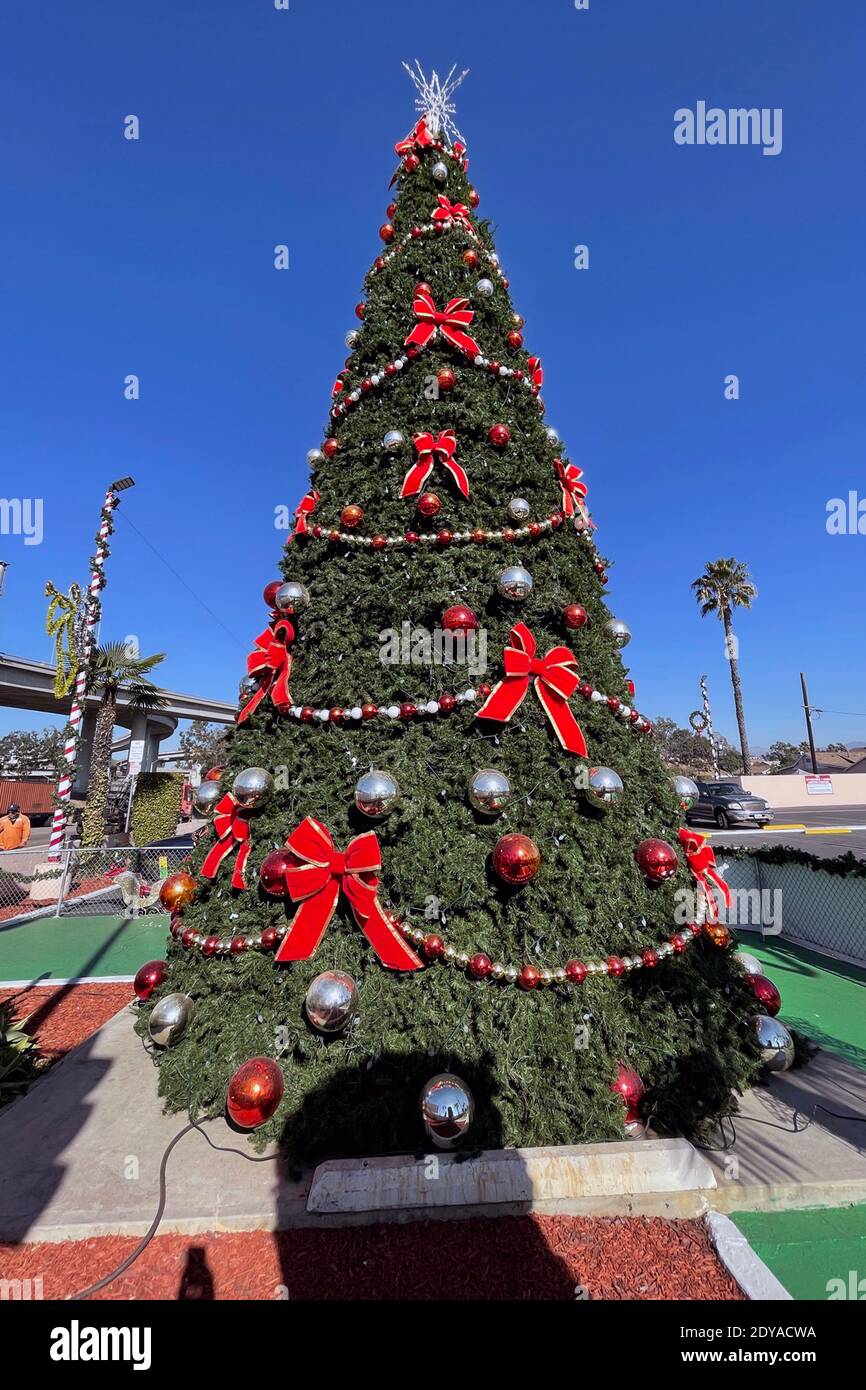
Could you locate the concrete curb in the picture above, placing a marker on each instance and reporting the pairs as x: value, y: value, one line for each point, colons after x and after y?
x: 736, y: 1254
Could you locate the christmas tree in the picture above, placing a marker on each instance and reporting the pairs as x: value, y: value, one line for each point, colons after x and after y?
x: 444, y: 840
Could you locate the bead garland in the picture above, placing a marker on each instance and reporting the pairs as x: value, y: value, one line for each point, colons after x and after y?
x: 478, y: 535
x: 436, y: 228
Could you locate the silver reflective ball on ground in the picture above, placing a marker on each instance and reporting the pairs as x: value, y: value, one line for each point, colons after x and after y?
x: 170, y: 1019
x: 292, y: 597
x: 515, y: 583
x: 315, y: 457
x: 352, y: 337
x: 331, y: 1001
x: 604, y: 787
x: 485, y: 288
x: 776, y: 1043
x: 750, y: 964
x: 489, y: 791
x: 440, y: 172
x: 686, y: 792
x: 519, y: 509
x: 393, y: 441
x: 252, y: 787
x: 619, y: 631
x: 376, y: 793
x: 206, y: 796
x: 447, y: 1109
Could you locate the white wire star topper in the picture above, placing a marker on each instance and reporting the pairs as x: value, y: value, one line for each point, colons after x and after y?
x: 433, y: 101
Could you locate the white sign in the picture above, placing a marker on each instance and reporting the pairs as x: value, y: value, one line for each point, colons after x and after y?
x: 136, y: 756
x: 819, y: 784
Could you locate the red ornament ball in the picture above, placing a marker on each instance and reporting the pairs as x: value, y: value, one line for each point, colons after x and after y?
x: 433, y: 946
x: 254, y: 1092
x: 429, y: 504
x: 151, y: 975
x: 480, y: 966
x: 516, y: 859
x: 424, y: 288
x: 499, y: 435
x: 351, y: 516
x: 330, y: 447
x: 629, y: 1086
x: 390, y: 210
x: 764, y: 991
x: 470, y: 258
x: 575, y: 617
x: 178, y: 891
x: 447, y: 703
x: 215, y: 773
x: 446, y: 379
x: 269, y: 592
x: 514, y: 340
x: 272, y: 874
x: 269, y: 938
x: 656, y: 859
x: 529, y: 977
x: 459, y: 619
x: 386, y: 231
x: 474, y: 199
x: 360, y: 310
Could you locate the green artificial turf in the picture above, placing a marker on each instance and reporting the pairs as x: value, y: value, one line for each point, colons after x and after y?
x: 64, y: 948
x: 823, y: 998
x: 810, y: 1251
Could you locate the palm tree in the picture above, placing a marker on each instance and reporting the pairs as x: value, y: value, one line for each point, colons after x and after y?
x: 724, y: 586
x: 113, y: 667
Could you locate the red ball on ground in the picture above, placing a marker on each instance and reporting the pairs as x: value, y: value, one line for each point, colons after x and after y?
x: 516, y: 859
x: 254, y: 1092
x: 765, y: 992
x: 149, y: 977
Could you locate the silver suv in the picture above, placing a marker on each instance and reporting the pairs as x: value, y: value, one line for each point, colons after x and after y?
x: 726, y: 803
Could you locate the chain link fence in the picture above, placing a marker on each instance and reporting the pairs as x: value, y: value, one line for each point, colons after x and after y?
x: 85, y: 882
x: 810, y: 907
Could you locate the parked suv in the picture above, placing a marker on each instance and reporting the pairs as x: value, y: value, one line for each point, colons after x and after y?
x: 726, y: 803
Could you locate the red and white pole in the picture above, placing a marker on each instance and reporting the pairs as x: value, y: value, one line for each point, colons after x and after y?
x: 91, y: 617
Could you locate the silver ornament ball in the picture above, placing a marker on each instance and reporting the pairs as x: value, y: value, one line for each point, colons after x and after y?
x: 750, y: 964
x: 686, y: 792
x: 519, y: 509
x: 331, y: 1001
x: 252, y: 787
x: 552, y: 436
x: 206, y: 796
x: 315, y: 457
x: 604, y: 787
x: 776, y: 1043
x: 352, y: 337
x: 515, y: 583
x: 170, y: 1019
x: 376, y: 793
x: 489, y: 791
x: 619, y: 631
x: 394, y: 441
x: 485, y: 288
x: 292, y: 597
x: 447, y: 1109
x: 440, y: 172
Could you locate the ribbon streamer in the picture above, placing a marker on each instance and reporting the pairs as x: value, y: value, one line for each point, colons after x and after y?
x: 430, y: 451
x: 418, y: 138
x: 701, y: 860
x: 555, y: 679
x: 317, y: 881
x: 233, y: 832
x: 573, y: 490
x: 305, y: 508
x: 271, y: 659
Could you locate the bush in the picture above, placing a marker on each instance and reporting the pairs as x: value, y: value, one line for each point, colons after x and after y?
x: 18, y: 1056
x: 156, y: 806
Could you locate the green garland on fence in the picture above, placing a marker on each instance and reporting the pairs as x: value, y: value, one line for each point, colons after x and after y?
x: 843, y: 865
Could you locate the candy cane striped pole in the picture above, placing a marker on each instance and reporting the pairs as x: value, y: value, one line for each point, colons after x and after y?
x: 710, y: 735
x: 76, y: 714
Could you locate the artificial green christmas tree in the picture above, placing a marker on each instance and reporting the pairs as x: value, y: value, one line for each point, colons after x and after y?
x: 503, y: 896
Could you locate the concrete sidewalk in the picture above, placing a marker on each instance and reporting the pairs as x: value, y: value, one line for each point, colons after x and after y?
x: 80, y: 1156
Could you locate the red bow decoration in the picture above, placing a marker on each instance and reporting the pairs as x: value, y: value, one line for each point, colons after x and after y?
x: 555, y: 679
x: 431, y: 450
x: 305, y: 507
x: 418, y: 138
x: 573, y: 490
x: 453, y: 213
x: 273, y: 659
x: 701, y: 860
x: 449, y: 323
x: 536, y: 372
x: 233, y: 832
x: 317, y: 882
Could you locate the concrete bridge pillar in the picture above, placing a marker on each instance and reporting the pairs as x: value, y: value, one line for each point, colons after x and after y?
x: 85, y: 753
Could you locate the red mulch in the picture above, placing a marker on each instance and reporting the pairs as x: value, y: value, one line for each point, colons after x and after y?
x: 505, y: 1258
x: 62, y: 1016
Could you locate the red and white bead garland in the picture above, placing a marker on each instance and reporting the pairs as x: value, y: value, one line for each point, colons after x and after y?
x: 478, y: 964
x: 444, y: 704
x: 478, y: 535
x: 397, y: 248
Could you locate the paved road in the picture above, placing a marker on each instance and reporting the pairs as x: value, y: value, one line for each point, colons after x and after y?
x: 826, y: 833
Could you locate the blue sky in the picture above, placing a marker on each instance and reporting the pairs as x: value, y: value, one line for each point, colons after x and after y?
x: 261, y: 126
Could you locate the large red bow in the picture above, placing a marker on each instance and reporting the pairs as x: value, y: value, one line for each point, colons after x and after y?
x: 701, y: 860
x: 449, y: 322
x: 317, y: 881
x: 453, y: 213
x: 233, y: 832
x: 536, y: 372
x: 431, y: 450
x: 419, y: 137
x: 271, y: 659
x: 305, y: 507
x: 573, y: 490
x: 555, y: 679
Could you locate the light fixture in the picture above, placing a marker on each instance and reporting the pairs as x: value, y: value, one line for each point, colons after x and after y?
x: 122, y: 484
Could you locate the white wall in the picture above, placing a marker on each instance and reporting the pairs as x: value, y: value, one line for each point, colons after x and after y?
x: 789, y: 789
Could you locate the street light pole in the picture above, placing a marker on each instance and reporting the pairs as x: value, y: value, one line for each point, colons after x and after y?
x: 92, y: 610
x: 807, y: 709
x: 4, y: 565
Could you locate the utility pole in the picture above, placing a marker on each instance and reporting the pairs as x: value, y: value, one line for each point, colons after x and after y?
x: 807, y: 709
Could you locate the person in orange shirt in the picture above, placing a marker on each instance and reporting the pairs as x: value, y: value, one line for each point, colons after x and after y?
x: 14, y: 829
